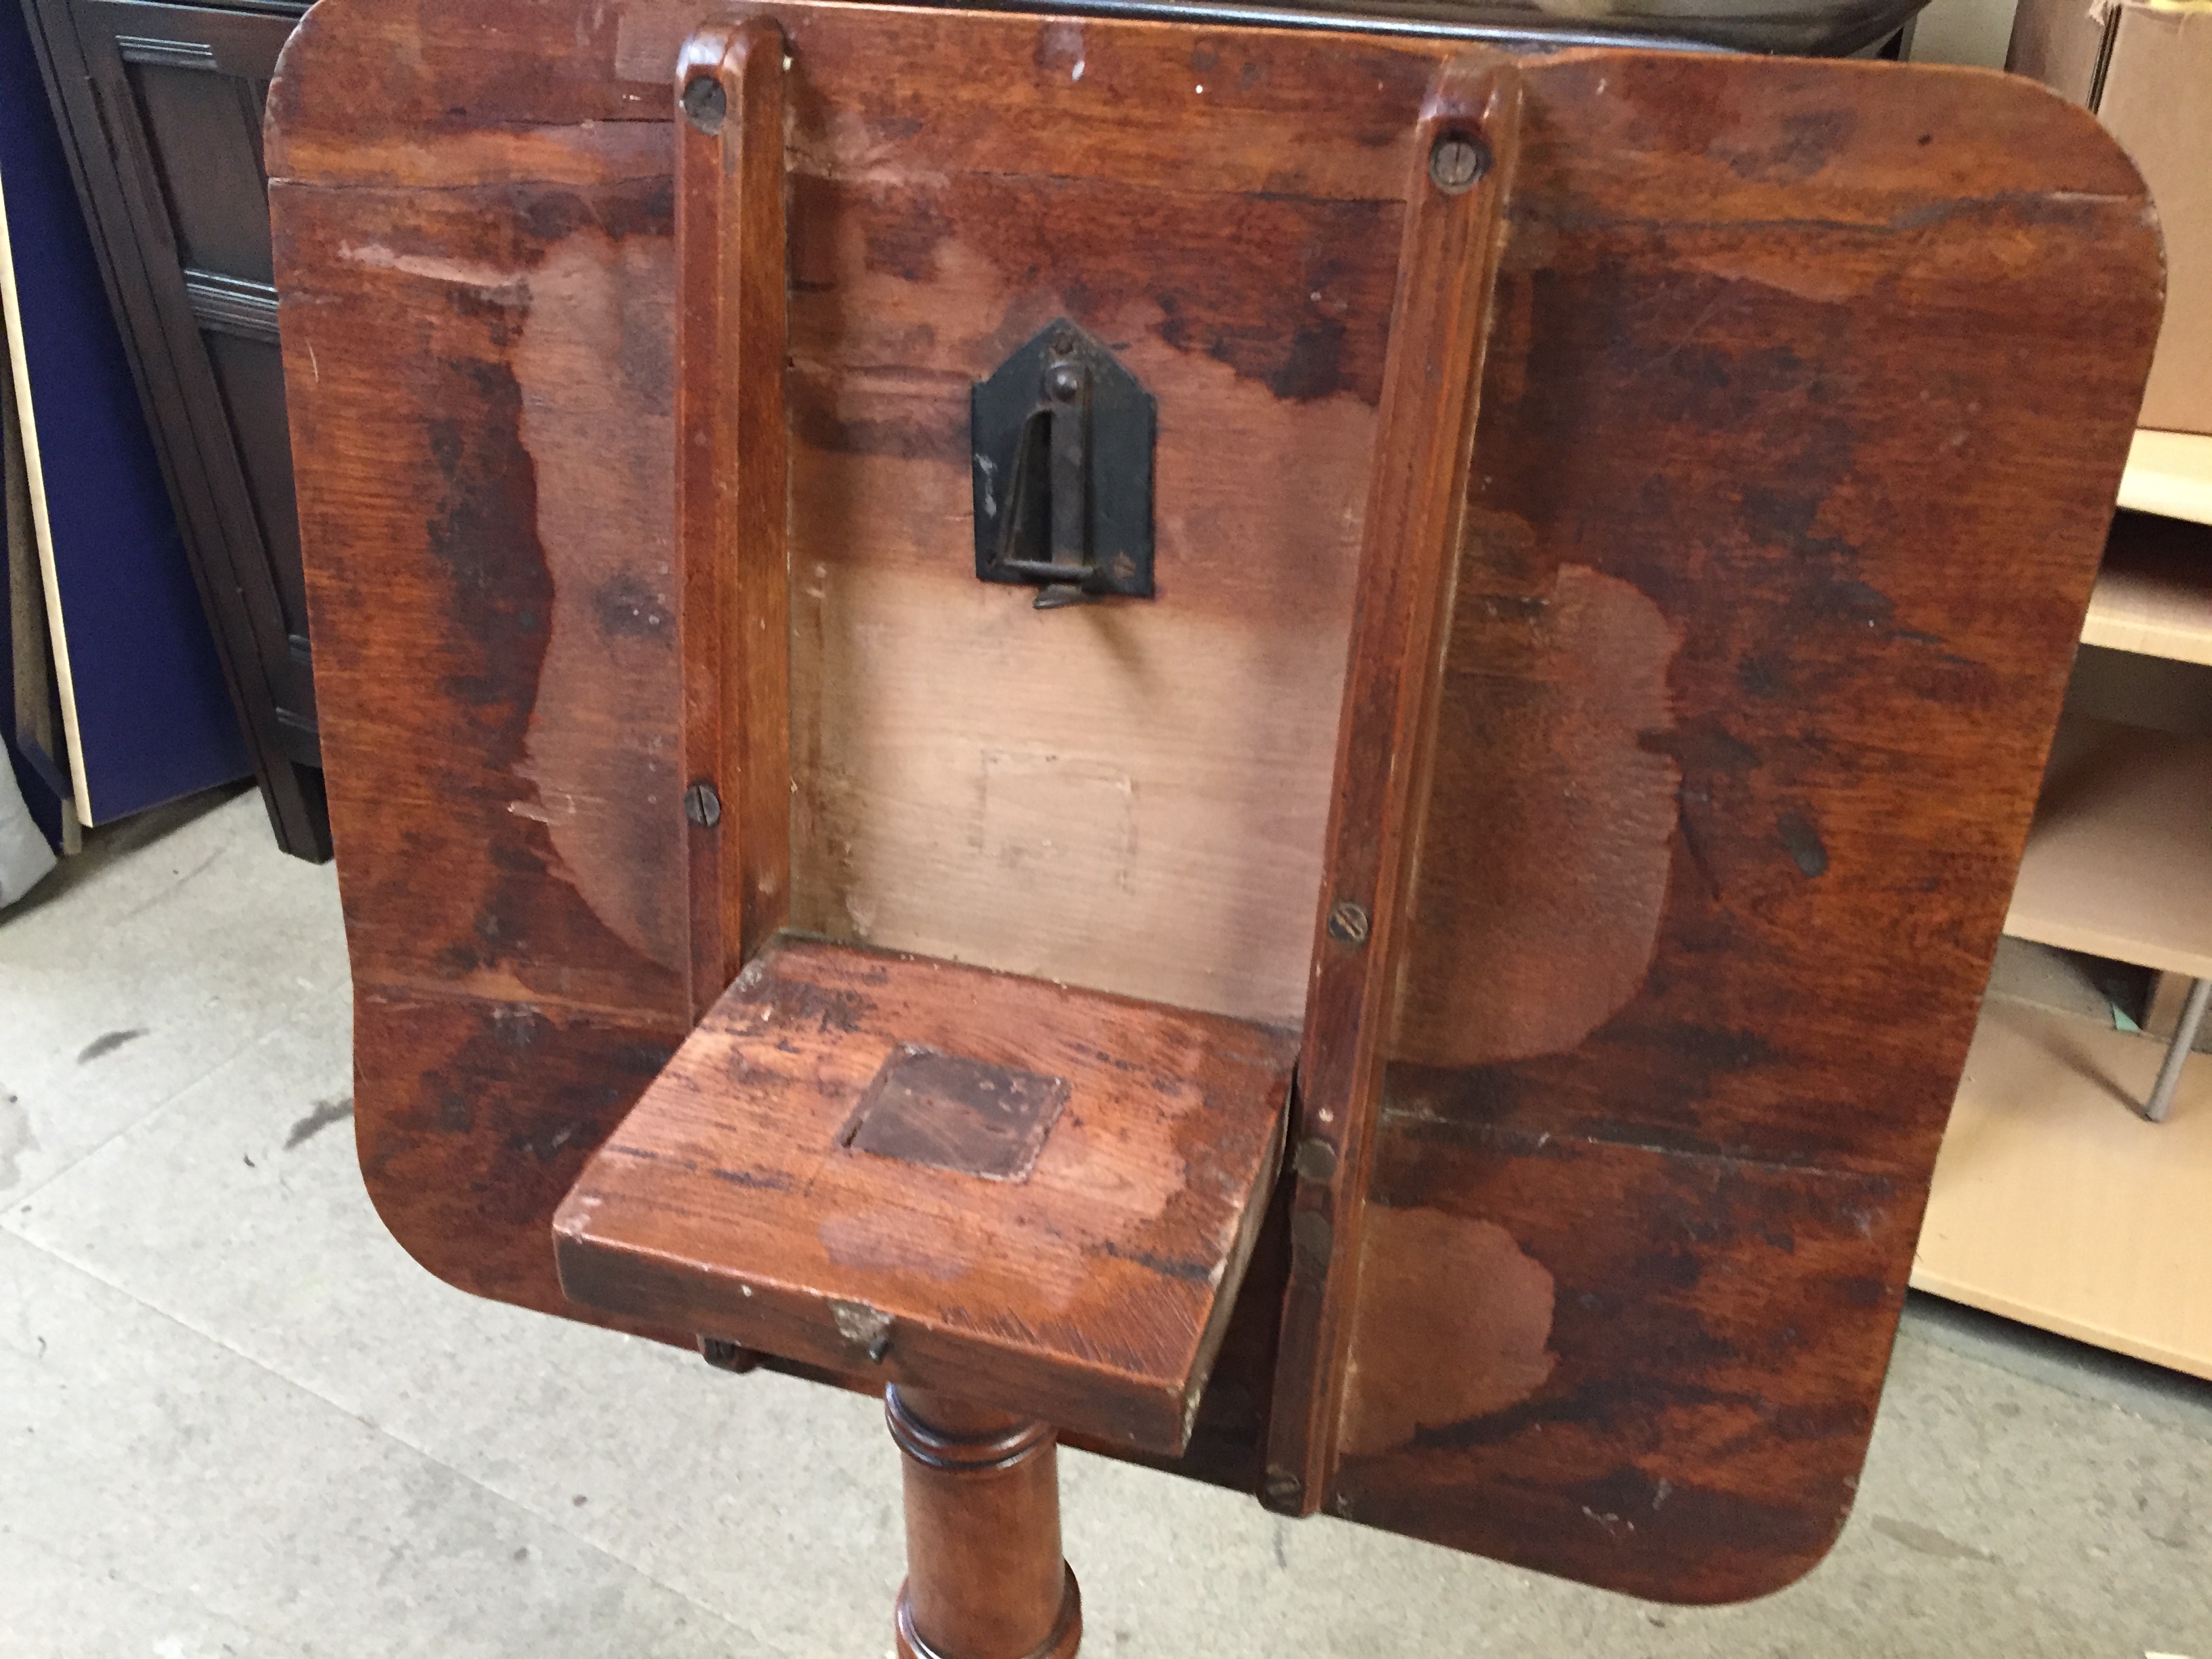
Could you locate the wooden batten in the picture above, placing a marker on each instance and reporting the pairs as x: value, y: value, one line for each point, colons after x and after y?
x: 733, y: 484
x: 1465, y: 146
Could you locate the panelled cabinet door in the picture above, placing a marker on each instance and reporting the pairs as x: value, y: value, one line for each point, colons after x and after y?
x: 176, y: 93
x: 182, y: 89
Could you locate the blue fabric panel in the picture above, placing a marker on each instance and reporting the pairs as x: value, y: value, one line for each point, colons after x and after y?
x: 153, y: 713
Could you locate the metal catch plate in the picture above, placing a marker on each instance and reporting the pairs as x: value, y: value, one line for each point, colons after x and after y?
x: 954, y: 1113
x: 1063, y: 471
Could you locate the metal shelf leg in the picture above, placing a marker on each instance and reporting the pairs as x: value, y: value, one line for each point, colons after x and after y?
x: 2177, y: 1054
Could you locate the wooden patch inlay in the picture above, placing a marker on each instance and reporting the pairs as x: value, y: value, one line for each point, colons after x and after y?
x: 952, y: 1113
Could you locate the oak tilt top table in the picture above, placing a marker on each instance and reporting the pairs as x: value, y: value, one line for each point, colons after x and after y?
x: 1295, y: 751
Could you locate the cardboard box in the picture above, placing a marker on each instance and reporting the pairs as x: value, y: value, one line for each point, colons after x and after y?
x: 2145, y: 67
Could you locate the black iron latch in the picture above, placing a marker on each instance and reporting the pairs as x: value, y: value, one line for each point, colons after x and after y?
x: 1063, y: 461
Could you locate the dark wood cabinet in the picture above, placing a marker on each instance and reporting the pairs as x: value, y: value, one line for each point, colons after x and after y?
x: 161, y: 106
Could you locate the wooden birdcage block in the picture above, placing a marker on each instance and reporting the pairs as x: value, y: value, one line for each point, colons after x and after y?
x: 1027, y: 1195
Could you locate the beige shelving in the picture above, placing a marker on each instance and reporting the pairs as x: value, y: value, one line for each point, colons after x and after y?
x: 2120, y: 860
x: 2055, y: 1203
x: 2154, y: 593
x: 2169, y: 473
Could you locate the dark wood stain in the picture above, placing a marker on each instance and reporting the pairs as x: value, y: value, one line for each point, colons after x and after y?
x: 1711, y: 1351
x: 473, y: 1118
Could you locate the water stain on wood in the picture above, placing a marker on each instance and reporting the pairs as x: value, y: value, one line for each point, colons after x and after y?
x: 1486, y: 1304
x: 1552, y: 822
x: 1802, y: 841
x: 612, y: 847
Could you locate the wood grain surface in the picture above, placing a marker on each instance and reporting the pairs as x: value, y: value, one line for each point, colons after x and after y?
x: 1466, y: 144
x: 1791, y: 492
x: 733, y: 484
x: 984, y: 1572
x: 1089, y: 1285
x: 1808, y: 394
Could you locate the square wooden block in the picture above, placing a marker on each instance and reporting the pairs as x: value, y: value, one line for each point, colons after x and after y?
x: 1030, y: 1195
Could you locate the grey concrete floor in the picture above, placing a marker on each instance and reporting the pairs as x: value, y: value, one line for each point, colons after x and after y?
x: 236, y: 1419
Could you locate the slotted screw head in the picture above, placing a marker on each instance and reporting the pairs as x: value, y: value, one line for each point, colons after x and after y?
x: 1348, y: 923
x: 1315, y: 1159
x: 702, y: 806
x: 1458, y: 162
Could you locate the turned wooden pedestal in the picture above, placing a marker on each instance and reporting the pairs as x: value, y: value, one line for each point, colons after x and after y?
x: 985, y: 1579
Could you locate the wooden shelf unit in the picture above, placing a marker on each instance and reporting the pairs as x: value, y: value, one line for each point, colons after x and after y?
x: 2169, y: 473
x: 2055, y: 1203
x: 2154, y: 596
x: 2119, y: 860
